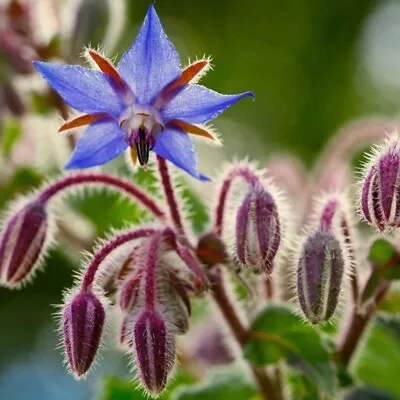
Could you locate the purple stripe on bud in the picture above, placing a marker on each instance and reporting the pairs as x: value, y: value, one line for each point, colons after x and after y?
x: 83, y: 322
x: 125, y: 337
x: 319, y: 276
x: 380, y: 190
x: 258, y: 231
x: 129, y: 294
x: 388, y: 176
x: 23, y: 244
x: 155, y: 351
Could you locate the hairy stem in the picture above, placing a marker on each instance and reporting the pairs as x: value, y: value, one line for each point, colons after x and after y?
x: 108, y: 248
x: 170, y: 195
x: 151, y: 270
x: 227, y: 308
x: 243, y: 172
x: 356, y: 324
x: 117, y: 184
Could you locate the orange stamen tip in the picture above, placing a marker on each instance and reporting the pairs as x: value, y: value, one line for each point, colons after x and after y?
x: 106, y: 67
x: 194, y: 129
x: 82, y: 120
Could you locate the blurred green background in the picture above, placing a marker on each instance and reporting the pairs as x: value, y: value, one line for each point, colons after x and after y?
x: 313, y: 66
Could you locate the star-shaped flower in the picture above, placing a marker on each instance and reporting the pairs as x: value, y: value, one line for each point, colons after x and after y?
x: 146, y: 103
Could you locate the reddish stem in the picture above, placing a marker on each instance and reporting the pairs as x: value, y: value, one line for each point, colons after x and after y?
x: 170, y: 195
x: 108, y: 248
x: 243, y: 172
x: 151, y: 269
x: 119, y: 184
x: 356, y: 324
x: 240, y: 332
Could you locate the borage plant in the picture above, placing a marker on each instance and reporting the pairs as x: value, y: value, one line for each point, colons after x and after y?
x: 306, y: 298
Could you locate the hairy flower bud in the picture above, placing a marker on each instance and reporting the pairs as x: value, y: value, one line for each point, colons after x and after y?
x: 380, y: 188
x: 320, y: 274
x: 129, y: 294
x: 154, y: 350
x: 125, y: 332
x: 258, y: 232
x: 82, y: 326
x: 211, y: 249
x: 23, y: 243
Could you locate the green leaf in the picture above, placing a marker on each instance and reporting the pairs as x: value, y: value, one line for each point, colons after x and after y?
x: 391, y: 301
x: 278, y: 334
x: 378, y: 363
x: 222, y: 384
x: 119, y: 389
x: 11, y: 134
x: 382, y: 252
x: 301, y: 388
x: 385, y: 261
x: 23, y: 180
x: 366, y: 393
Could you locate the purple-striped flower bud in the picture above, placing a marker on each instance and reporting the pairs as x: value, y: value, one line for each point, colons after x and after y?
x: 129, y: 294
x: 82, y: 327
x: 320, y: 273
x: 125, y: 339
x: 154, y: 350
x: 23, y: 242
x: 258, y: 231
x: 380, y: 187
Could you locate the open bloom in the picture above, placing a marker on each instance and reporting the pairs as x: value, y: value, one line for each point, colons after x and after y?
x: 146, y: 103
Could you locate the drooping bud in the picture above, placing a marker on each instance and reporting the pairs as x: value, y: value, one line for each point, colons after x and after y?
x: 125, y: 339
x: 258, y: 231
x: 129, y: 294
x: 211, y: 249
x: 380, y: 186
x: 320, y: 273
x: 176, y: 302
x: 82, y: 327
x: 154, y: 350
x: 24, y: 240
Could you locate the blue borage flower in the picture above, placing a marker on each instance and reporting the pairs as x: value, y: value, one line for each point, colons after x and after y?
x: 146, y: 103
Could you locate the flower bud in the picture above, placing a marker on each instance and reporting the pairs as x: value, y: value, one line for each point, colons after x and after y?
x: 129, y: 294
x: 257, y: 230
x: 23, y: 243
x: 211, y: 249
x: 380, y: 188
x: 125, y: 332
x: 154, y: 350
x: 320, y: 274
x: 82, y: 325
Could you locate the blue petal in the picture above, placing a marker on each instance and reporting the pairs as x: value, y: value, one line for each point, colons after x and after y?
x: 101, y: 142
x: 152, y: 61
x: 176, y: 146
x: 83, y: 89
x: 196, y: 104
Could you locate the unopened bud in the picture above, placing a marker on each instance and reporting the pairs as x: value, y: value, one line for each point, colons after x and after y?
x: 24, y: 240
x: 125, y: 332
x: 154, y: 349
x: 129, y: 293
x: 211, y: 249
x: 380, y: 188
x: 82, y: 324
x: 258, y: 232
x: 320, y: 274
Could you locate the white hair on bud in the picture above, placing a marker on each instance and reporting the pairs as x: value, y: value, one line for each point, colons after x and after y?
x: 16, y: 206
x: 236, y: 195
x: 68, y: 295
x: 390, y: 144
